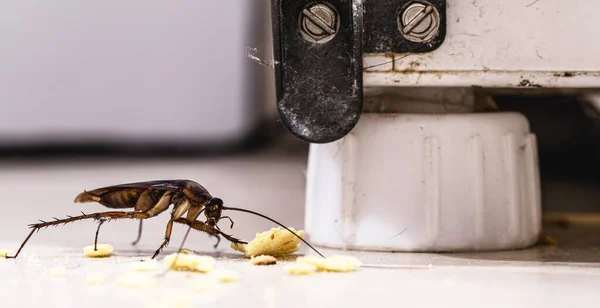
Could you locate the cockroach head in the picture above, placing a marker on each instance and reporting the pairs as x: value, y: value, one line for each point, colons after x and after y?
x: 215, y: 203
x: 213, y: 210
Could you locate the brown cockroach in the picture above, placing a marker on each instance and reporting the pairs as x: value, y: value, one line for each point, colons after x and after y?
x: 149, y: 199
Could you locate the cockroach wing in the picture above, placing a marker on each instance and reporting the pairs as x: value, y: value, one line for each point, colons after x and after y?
x: 142, y: 195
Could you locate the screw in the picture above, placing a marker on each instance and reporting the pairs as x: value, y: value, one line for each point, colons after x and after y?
x: 318, y: 23
x: 419, y: 22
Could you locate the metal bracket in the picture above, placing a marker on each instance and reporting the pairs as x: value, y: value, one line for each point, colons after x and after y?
x: 319, y: 46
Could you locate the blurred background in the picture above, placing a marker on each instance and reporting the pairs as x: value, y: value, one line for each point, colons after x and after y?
x: 107, y: 92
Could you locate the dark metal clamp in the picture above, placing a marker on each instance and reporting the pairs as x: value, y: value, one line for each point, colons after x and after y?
x: 319, y: 47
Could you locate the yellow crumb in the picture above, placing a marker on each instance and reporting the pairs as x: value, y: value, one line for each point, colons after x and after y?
x: 300, y: 269
x: 318, y: 262
x: 145, y: 265
x: 548, y: 240
x: 6, y: 252
x: 331, y: 264
x: 341, y: 264
x: 189, y: 262
x: 263, y: 260
x: 104, y: 250
x: 136, y: 281
x: 186, y: 251
x: 225, y: 276
x: 239, y: 247
x: 95, y: 278
x: 274, y: 242
x: 57, y: 271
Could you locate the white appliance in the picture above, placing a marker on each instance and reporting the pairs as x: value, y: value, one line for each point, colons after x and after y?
x: 131, y: 71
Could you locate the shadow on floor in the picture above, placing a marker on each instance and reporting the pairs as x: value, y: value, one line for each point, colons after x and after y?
x: 574, y: 244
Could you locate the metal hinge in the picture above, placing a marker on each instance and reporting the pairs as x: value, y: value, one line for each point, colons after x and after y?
x: 319, y: 47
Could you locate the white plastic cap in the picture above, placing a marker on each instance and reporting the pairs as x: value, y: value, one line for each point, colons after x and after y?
x: 454, y: 182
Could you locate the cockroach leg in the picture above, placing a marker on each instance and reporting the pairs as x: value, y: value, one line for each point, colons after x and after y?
x: 201, y: 226
x: 167, y: 238
x: 96, y: 216
x: 231, y: 220
x: 22, y: 245
x: 139, y: 236
x: 100, y: 222
x: 218, y: 240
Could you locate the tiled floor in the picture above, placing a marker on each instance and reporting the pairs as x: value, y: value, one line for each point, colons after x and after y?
x: 544, y: 276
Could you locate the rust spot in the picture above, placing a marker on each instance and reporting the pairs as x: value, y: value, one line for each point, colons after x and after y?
x: 414, y: 64
x: 529, y: 84
x: 565, y: 74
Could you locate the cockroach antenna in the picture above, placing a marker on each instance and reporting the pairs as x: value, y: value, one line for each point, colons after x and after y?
x: 272, y: 220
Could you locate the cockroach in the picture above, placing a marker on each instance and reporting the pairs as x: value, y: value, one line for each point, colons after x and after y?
x: 149, y: 199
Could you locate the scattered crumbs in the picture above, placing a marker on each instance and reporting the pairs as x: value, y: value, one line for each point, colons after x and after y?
x: 189, y: 262
x: 104, y: 250
x: 5, y: 252
x: 263, y: 260
x: 95, y: 278
x: 300, y: 269
x: 318, y: 262
x: 341, y: 264
x: 331, y: 264
x: 57, y: 271
x: 225, y: 276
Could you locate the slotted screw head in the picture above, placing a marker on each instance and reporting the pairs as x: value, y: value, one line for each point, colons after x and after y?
x: 419, y: 22
x: 318, y: 23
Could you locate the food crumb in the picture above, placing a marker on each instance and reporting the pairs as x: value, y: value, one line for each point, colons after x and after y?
x: 300, y: 269
x: 263, y: 260
x: 341, y: 264
x: 6, y: 252
x: 104, y: 250
x: 95, y: 278
x: 318, y: 262
x: 189, y: 262
x: 225, y: 276
x: 186, y: 251
x: 334, y: 263
x: 273, y: 242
